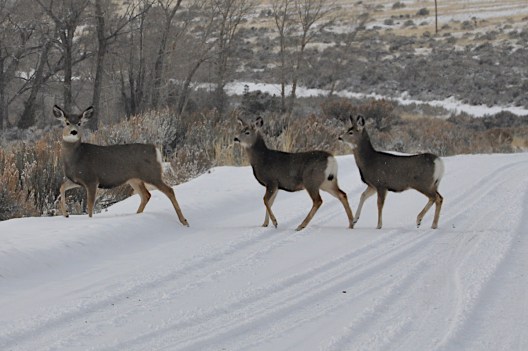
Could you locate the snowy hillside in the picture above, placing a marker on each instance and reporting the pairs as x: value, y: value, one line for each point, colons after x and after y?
x: 122, y: 281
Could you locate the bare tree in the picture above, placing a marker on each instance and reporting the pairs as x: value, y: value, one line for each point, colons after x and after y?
x: 67, y: 16
x: 35, y: 82
x: 132, y: 67
x: 312, y: 16
x: 281, y: 11
x: 169, y: 9
x: 111, y: 22
x: 297, y: 23
x: 14, y: 46
x: 230, y: 15
x: 200, y: 47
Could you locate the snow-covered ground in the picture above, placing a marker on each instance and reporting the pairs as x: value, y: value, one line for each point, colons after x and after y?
x: 122, y: 281
x: 451, y: 104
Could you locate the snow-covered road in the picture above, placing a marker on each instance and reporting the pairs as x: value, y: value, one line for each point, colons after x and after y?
x: 122, y: 281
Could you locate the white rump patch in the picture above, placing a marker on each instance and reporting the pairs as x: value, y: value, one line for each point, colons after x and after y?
x: 331, y: 168
x: 438, y: 170
x: 158, y: 157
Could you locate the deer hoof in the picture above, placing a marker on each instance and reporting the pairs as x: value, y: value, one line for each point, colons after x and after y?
x: 299, y: 228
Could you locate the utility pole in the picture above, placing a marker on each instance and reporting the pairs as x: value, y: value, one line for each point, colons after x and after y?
x: 436, y: 17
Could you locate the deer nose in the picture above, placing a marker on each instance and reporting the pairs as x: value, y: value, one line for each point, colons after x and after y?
x: 73, y: 132
x: 237, y: 140
x: 340, y: 139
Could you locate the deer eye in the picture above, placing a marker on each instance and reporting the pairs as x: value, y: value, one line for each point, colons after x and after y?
x: 350, y: 132
x: 79, y: 124
x: 247, y: 132
x: 67, y: 123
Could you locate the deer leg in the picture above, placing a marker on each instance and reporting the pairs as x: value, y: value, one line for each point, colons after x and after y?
x: 67, y: 185
x: 270, y: 202
x: 438, y: 205
x: 140, y: 188
x: 269, y: 197
x: 167, y: 190
x: 382, y: 193
x: 333, y: 189
x: 365, y: 195
x: 91, y: 193
x: 434, y: 198
x: 317, y: 202
x: 424, y: 211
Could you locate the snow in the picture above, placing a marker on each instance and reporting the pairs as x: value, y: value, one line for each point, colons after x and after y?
x: 451, y: 104
x: 123, y: 281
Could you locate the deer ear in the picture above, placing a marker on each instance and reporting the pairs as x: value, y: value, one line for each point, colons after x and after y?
x: 352, y: 120
x: 87, y: 114
x: 259, y: 122
x: 360, y: 121
x: 58, y: 113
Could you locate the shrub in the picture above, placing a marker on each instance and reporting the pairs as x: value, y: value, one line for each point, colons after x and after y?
x: 398, y: 5
x: 31, y: 172
x: 31, y: 175
x: 422, y: 12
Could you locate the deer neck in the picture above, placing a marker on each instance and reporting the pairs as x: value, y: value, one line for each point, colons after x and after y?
x: 69, y: 149
x: 257, y: 149
x: 364, y: 152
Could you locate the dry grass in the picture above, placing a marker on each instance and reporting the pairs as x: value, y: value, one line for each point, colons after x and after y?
x: 31, y: 173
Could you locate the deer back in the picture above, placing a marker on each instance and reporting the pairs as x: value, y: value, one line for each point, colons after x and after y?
x: 113, y: 165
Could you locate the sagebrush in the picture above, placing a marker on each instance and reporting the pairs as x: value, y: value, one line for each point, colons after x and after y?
x: 31, y: 171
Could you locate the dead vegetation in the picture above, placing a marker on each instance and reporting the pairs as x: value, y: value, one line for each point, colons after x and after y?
x: 31, y: 171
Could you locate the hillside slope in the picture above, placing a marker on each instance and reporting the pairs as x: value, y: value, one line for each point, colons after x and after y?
x: 122, y: 281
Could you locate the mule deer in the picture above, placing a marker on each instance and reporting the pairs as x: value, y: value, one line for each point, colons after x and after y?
x: 95, y: 166
x: 276, y: 170
x: 384, y: 172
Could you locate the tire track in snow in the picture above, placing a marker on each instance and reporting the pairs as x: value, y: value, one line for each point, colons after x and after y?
x: 498, y: 239
x: 58, y: 319
x: 192, y: 322
x: 257, y: 247
x: 495, y: 301
x: 464, y: 201
x: 258, y: 241
x: 383, y: 239
x: 258, y: 306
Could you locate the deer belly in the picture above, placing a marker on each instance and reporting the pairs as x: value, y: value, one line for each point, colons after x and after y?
x: 108, y: 185
x: 291, y: 187
x: 110, y: 182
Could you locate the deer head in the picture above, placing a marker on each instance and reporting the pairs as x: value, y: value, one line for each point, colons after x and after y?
x: 248, y: 135
x: 72, y: 123
x: 353, y: 134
